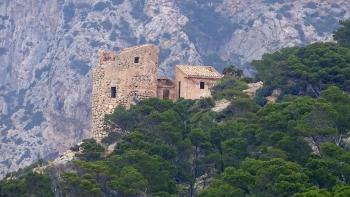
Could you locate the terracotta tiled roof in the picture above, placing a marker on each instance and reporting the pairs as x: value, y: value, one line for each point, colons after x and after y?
x: 199, y: 71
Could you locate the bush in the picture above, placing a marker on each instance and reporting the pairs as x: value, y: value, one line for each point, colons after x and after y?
x: 91, y: 151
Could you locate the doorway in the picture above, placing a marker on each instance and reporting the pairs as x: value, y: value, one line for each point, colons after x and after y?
x: 166, y: 94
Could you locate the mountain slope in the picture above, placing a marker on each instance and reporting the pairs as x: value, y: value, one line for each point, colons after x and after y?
x: 47, y: 49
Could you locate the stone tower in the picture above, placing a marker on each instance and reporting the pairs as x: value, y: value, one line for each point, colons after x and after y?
x: 122, y: 79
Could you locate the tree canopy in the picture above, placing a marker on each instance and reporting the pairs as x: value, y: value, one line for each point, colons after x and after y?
x: 342, y: 34
x: 298, y: 146
x: 306, y: 70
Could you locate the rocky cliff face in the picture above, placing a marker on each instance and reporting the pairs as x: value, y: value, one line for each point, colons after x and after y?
x: 47, y: 49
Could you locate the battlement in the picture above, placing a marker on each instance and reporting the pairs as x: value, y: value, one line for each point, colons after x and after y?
x: 106, y: 57
x: 134, y: 48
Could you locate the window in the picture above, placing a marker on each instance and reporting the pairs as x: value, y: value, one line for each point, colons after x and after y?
x: 179, y: 89
x: 201, y: 85
x: 136, y: 60
x: 113, y: 92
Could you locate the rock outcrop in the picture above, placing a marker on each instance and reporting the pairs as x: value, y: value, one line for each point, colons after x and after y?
x: 253, y: 88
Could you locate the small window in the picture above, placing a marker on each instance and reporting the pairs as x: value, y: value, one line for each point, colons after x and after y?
x: 136, y: 60
x: 113, y: 92
x: 201, y: 85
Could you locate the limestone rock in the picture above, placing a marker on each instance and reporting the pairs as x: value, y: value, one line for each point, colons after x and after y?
x: 220, y: 105
x: 252, y: 88
x: 47, y: 50
x: 274, y: 96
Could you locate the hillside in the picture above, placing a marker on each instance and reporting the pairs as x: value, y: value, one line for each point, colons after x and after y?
x: 297, y: 146
x: 47, y: 49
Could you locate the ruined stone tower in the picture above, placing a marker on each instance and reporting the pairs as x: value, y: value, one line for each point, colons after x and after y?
x: 122, y: 79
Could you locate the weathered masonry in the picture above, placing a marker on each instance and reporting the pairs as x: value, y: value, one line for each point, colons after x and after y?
x: 131, y: 76
x: 166, y: 88
x: 122, y: 79
x: 194, y: 82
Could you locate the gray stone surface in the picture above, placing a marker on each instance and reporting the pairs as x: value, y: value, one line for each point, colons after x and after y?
x: 48, y: 47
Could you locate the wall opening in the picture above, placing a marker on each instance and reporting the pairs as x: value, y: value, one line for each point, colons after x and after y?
x: 113, y: 92
x: 136, y: 60
x: 201, y: 85
x: 179, y: 90
x: 166, y: 94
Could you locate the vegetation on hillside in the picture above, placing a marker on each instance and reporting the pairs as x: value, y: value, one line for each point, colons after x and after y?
x: 296, y: 147
x: 342, y: 34
x: 308, y: 70
x: 27, y: 184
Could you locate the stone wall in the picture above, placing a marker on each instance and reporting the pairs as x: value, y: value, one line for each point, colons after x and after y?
x: 131, y: 75
x: 190, y: 86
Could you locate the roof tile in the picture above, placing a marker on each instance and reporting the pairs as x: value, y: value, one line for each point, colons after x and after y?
x: 199, y: 71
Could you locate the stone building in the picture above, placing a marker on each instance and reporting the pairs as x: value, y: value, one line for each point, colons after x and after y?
x: 130, y: 76
x: 194, y: 82
x: 122, y: 79
x: 166, y: 88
